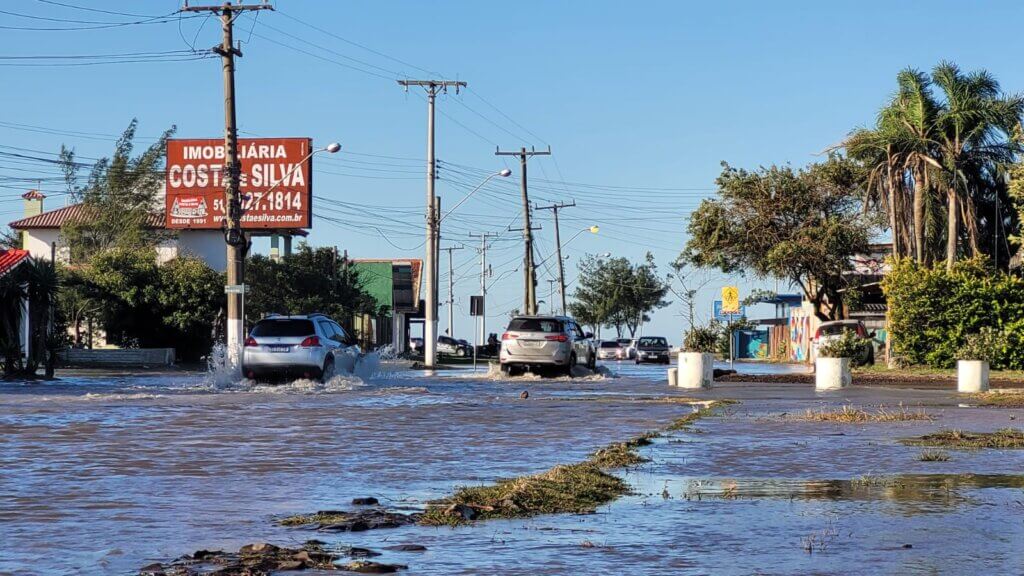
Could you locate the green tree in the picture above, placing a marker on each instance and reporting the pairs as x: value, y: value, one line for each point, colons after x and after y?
x: 120, y: 198
x: 310, y: 280
x: 616, y: 293
x: 803, y: 226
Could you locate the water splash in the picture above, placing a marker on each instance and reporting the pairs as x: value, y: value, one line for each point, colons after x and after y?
x: 222, y: 369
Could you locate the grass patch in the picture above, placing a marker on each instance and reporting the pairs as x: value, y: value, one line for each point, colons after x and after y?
x: 853, y: 415
x: 1000, y: 399
x: 318, y: 518
x: 958, y: 439
x: 933, y: 456
x: 569, y: 488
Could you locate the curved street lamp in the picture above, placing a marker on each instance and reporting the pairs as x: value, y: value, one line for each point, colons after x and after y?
x: 504, y: 173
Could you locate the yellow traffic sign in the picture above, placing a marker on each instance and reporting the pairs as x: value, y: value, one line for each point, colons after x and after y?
x: 730, y: 300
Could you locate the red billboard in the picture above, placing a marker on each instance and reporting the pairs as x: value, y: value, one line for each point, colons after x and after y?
x: 275, y: 182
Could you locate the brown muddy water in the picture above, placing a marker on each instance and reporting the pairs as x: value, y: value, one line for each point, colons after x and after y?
x: 104, y: 476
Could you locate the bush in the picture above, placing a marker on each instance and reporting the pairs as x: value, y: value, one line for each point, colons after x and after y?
x: 848, y: 345
x: 987, y: 346
x: 933, y: 311
x: 701, y: 339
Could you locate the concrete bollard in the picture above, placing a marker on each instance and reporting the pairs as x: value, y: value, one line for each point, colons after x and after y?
x: 696, y: 370
x: 832, y: 373
x: 673, y: 377
x: 971, y: 376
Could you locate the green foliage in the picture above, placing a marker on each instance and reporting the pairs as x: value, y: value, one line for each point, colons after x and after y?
x: 986, y: 345
x: 776, y: 222
x: 701, y: 339
x: 141, y: 304
x: 932, y: 312
x: 310, y: 280
x: 37, y: 282
x: 848, y: 345
x: 617, y: 293
x: 119, y: 198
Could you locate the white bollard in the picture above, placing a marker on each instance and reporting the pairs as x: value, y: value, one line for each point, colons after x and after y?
x: 696, y: 370
x: 673, y: 377
x: 971, y: 376
x: 832, y: 373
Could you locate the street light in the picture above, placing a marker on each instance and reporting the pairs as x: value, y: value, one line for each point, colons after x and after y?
x: 504, y: 173
x: 592, y: 229
x: 561, y: 267
x: 330, y: 149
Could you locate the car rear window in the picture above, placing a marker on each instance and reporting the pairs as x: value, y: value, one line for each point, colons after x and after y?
x: 609, y: 344
x: 837, y: 329
x: 535, y: 325
x: 283, y: 328
x: 653, y: 342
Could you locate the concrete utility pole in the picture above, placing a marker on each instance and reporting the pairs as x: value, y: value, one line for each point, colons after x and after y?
x: 233, y: 235
x: 451, y: 290
x: 529, y: 274
x: 484, y: 273
x: 432, y: 88
x: 558, y: 249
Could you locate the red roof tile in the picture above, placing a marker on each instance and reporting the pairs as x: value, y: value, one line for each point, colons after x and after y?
x: 57, y: 218
x: 33, y: 195
x: 10, y: 259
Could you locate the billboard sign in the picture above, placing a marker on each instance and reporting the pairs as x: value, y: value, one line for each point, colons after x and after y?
x: 275, y: 183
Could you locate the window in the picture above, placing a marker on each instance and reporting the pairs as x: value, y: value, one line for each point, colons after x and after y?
x: 283, y: 328
x: 342, y: 336
x: 609, y: 344
x: 548, y: 325
x: 652, y: 341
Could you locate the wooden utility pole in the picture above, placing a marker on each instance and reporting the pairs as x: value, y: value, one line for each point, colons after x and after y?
x: 432, y: 87
x: 529, y: 274
x: 233, y: 235
x: 558, y: 248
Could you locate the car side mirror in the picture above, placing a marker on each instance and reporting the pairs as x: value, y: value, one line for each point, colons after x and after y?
x: 588, y: 335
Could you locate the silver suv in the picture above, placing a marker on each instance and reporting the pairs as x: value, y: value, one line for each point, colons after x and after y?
x: 309, y: 346
x: 535, y: 342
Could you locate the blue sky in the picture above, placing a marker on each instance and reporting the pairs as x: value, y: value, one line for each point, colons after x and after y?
x: 640, y: 102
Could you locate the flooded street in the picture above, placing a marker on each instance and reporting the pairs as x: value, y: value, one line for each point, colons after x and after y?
x: 108, y: 475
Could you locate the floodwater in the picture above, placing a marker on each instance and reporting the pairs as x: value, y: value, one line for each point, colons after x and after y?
x: 105, y: 475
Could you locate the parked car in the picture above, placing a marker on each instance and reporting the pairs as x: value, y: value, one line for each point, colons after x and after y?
x: 306, y: 346
x: 652, y: 349
x: 535, y: 342
x: 828, y: 331
x: 609, y: 350
x: 449, y: 346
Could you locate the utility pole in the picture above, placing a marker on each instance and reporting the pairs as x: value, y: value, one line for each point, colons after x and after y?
x: 451, y: 290
x: 558, y: 248
x: 432, y: 88
x: 551, y: 296
x: 484, y: 273
x: 233, y: 235
x: 529, y: 274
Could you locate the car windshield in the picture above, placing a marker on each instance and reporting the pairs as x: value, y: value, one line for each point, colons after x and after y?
x: 535, y: 325
x: 609, y: 344
x: 653, y: 342
x: 284, y: 327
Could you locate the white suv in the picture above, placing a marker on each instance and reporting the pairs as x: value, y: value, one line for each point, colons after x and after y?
x: 535, y: 342
x: 312, y: 346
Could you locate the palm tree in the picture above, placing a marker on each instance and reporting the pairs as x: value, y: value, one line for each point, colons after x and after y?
x: 973, y: 133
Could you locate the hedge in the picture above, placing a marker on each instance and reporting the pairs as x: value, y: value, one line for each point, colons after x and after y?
x: 932, y: 311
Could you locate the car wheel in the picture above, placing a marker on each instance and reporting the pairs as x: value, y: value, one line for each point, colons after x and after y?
x: 328, y: 371
x: 572, y: 362
x: 461, y: 353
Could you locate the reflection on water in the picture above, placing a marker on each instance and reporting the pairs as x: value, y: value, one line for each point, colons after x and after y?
x: 107, y: 475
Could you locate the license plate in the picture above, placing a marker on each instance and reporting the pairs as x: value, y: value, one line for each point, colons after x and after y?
x: 531, y: 343
x: 279, y: 348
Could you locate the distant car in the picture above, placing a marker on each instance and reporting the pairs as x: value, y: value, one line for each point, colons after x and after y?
x: 652, y: 349
x: 449, y: 346
x: 628, y: 348
x: 306, y: 346
x: 534, y: 342
x: 416, y: 345
x: 609, y: 350
x: 829, y: 331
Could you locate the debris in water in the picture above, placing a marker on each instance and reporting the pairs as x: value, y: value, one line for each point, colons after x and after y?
x: 358, y: 521
x: 367, y: 501
x: 250, y: 560
x: 525, y: 394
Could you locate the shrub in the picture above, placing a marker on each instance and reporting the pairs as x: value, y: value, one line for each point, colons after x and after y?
x: 848, y: 345
x: 985, y: 345
x: 932, y: 312
x: 701, y: 339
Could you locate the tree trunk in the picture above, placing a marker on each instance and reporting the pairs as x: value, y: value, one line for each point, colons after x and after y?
x: 919, y: 192
x: 951, y: 227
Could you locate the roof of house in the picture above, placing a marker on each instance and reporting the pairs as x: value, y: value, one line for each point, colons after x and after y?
x: 60, y: 216
x: 11, y: 259
x: 33, y: 195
